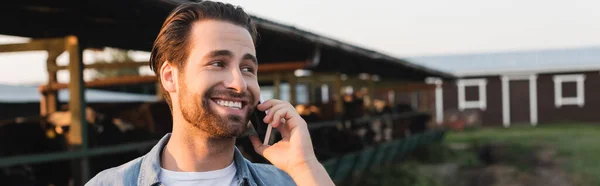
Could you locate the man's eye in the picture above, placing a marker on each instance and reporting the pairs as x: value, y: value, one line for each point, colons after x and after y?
x: 248, y: 69
x: 218, y: 64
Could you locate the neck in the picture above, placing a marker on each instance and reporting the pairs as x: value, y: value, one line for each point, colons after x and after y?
x: 191, y: 150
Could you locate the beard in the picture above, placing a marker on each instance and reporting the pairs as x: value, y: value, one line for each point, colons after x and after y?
x: 196, y: 111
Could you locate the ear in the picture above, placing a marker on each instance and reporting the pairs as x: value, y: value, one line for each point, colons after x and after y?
x: 168, y: 77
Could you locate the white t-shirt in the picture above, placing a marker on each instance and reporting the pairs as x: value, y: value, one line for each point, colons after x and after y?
x: 217, y: 177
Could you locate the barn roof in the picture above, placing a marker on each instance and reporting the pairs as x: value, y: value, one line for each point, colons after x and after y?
x: 134, y: 24
x: 31, y: 94
x: 532, y: 61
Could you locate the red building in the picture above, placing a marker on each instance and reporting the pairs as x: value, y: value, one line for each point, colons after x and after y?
x: 532, y: 87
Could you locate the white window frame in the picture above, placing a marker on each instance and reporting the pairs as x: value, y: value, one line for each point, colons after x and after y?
x: 579, y: 99
x: 479, y: 104
x: 439, y: 98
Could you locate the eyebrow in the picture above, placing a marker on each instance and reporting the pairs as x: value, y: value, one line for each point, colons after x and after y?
x: 250, y: 57
x: 220, y: 53
x: 227, y: 53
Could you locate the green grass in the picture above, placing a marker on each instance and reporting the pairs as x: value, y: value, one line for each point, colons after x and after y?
x: 398, y: 174
x: 578, y: 143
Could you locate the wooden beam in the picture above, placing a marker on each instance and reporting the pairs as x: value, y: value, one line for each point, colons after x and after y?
x: 262, y: 68
x: 33, y: 45
x: 282, y: 66
x: 266, y: 77
x: 321, y: 77
x: 125, y: 80
x: 408, y: 87
x: 268, y: 67
x: 111, y: 65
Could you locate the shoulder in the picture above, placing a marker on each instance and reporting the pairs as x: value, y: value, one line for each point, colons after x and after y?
x: 271, y: 175
x: 126, y: 174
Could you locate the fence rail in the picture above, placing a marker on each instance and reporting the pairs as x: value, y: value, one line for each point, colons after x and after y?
x: 99, y: 151
x: 58, y: 156
x: 352, y: 165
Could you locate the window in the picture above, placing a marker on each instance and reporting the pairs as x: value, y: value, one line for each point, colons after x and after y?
x: 563, y: 92
x: 475, y: 101
x: 302, y: 93
x: 324, y: 93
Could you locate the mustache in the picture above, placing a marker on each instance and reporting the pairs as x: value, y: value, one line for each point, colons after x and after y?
x: 232, y: 94
x: 229, y: 93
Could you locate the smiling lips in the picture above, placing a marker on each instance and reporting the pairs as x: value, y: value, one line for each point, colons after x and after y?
x: 231, y: 104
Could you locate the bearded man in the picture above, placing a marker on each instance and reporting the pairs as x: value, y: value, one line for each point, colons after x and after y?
x: 205, y: 60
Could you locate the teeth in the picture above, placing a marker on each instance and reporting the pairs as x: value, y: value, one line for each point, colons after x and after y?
x: 232, y: 104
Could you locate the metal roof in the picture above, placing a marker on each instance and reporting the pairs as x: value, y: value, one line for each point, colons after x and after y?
x: 333, y: 43
x: 31, y: 94
x: 134, y: 24
x: 530, y: 61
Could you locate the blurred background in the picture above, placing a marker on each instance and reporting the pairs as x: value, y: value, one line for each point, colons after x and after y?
x: 460, y: 92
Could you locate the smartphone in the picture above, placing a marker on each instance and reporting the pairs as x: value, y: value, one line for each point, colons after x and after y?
x: 263, y: 130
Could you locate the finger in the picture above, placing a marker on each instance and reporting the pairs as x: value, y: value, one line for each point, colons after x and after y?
x: 269, y: 117
x: 267, y: 104
x: 284, y: 129
x: 288, y: 113
x: 274, y: 121
x: 277, y: 116
x: 259, y: 147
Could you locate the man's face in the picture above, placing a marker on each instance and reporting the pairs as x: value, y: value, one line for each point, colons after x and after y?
x: 218, y: 88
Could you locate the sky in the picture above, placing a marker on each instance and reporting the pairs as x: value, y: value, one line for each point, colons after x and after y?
x: 404, y: 28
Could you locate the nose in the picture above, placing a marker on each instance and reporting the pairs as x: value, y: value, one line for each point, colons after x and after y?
x: 236, y: 81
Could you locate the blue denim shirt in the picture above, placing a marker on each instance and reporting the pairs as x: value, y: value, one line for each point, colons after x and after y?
x: 143, y: 171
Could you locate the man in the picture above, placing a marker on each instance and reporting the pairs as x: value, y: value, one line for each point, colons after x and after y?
x: 205, y: 60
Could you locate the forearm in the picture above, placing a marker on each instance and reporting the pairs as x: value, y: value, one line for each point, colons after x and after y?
x: 312, y: 173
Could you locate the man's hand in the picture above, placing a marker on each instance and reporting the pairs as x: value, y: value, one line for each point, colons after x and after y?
x: 294, y: 153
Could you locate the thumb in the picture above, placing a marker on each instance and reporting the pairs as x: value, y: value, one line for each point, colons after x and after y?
x: 258, y: 146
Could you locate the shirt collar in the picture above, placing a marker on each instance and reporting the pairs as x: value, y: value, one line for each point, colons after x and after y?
x: 242, y: 174
x: 150, y: 166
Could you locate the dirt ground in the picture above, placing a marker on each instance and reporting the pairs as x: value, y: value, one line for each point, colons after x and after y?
x: 503, y: 166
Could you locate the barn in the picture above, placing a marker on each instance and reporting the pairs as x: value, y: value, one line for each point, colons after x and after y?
x: 519, y: 87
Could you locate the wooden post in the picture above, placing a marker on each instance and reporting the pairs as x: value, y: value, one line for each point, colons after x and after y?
x: 337, y: 92
x: 277, y: 86
x: 78, y: 128
x: 371, y: 93
x: 396, y: 96
x: 43, y: 105
x: 292, y: 83
x: 313, y: 85
x: 49, y: 102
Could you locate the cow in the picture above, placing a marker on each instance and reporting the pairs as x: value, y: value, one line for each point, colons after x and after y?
x: 28, y: 137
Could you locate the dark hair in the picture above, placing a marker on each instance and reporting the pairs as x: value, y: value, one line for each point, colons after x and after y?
x: 172, y: 42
